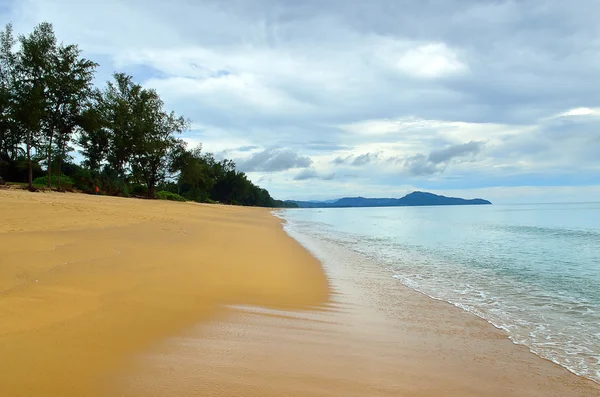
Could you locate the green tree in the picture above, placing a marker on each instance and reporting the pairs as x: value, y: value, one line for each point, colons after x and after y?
x: 192, y: 173
x: 130, y: 130
x: 154, y: 139
x: 33, y: 68
x: 117, y: 107
x: 94, y: 138
x: 69, y: 88
x: 9, y: 137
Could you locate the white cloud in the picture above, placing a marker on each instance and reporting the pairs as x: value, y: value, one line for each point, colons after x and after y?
x: 227, y: 92
x: 412, y: 132
x: 430, y: 61
x: 580, y: 112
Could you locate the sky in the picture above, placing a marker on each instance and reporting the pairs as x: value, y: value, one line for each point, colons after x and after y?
x: 333, y: 98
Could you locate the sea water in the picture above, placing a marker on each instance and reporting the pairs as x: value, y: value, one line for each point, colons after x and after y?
x: 531, y: 270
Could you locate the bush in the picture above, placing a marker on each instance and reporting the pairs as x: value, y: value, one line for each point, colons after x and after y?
x: 84, y: 180
x: 67, y: 168
x: 195, y: 194
x: 65, y: 181
x: 112, y: 185
x: 164, y: 195
x: 139, y: 190
x: 17, y: 170
x: 168, y: 187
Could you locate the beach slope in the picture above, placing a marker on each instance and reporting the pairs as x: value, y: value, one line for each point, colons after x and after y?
x: 87, y: 281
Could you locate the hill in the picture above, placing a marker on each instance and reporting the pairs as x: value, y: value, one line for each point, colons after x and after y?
x: 410, y: 200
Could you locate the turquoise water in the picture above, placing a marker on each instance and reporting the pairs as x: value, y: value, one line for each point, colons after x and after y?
x: 532, y: 270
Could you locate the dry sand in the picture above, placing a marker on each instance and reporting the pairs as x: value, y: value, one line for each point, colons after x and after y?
x: 122, y: 297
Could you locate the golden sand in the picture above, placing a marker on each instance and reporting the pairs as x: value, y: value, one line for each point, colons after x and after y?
x: 86, y: 281
x: 123, y: 297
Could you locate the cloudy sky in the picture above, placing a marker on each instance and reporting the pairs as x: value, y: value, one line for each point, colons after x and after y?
x: 331, y: 98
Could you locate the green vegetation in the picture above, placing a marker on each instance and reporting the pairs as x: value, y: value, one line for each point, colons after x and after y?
x: 164, y: 195
x: 129, y: 142
x: 65, y: 181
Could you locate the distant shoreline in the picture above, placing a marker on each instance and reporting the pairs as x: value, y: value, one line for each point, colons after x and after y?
x: 414, y: 199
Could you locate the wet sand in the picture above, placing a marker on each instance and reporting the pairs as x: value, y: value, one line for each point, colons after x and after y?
x: 108, y: 296
x: 374, y: 338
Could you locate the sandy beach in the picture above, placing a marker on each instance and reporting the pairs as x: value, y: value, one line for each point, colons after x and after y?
x: 104, y: 296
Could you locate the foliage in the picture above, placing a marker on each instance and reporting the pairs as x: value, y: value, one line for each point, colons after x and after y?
x: 128, y: 140
x: 17, y: 170
x: 285, y: 204
x: 202, y: 178
x: 65, y: 181
x: 84, y: 180
x: 43, y: 86
x: 129, y: 131
x: 139, y: 190
x: 164, y: 195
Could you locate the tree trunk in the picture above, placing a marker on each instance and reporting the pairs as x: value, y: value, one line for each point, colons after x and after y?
x: 151, y: 188
x: 30, y: 166
x: 50, y: 148
x: 152, y: 180
x: 58, y: 176
x: 50, y: 161
x: 61, y: 154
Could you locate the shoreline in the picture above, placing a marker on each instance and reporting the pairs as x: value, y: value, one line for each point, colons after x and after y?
x: 504, y: 332
x: 361, y: 343
x: 482, y: 322
x: 131, y: 297
x: 392, y: 274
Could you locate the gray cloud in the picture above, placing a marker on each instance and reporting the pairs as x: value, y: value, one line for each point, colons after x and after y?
x: 273, y: 159
x: 447, y: 154
x: 225, y: 153
x: 245, y: 148
x: 310, y: 173
x: 324, y: 146
x: 364, y: 159
x: 420, y: 165
x: 558, y: 143
x: 305, y: 174
x: 340, y: 160
x: 356, y: 161
x: 437, y: 160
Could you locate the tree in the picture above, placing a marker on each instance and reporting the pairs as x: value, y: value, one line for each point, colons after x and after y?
x: 154, y: 139
x: 131, y: 132
x: 117, y: 106
x: 33, y: 68
x: 93, y: 134
x: 69, y: 88
x: 193, y: 173
x: 9, y: 139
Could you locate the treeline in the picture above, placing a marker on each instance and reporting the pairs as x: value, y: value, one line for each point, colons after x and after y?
x: 128, y: 141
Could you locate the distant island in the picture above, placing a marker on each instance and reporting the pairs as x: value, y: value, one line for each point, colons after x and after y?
x: 413, y: 199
